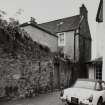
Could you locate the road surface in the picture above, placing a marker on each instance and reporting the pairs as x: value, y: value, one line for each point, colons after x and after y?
x: 42, y: 99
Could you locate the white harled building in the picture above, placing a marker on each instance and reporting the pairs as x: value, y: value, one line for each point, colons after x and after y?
x: 97, y: 66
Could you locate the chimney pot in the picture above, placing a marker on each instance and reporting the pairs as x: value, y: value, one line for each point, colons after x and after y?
x: 33, y: 20
x: 83, y: 11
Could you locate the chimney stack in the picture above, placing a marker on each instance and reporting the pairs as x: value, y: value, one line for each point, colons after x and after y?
x: 83, y: 11
x: 33, y: 20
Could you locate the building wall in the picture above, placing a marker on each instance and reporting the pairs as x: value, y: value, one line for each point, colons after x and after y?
x: 42, y: 37
x: 84, y: 42
x: 69, y: 44
x: 103, y: 70
x: 100, y: 39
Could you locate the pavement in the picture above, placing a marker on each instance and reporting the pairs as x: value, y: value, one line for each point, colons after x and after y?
x: 42, y: 99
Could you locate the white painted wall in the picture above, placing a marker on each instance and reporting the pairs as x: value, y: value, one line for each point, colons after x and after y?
x: 100, y: 34
x: 42, y: 37
x: 103, y: 70
x: 100, y: 39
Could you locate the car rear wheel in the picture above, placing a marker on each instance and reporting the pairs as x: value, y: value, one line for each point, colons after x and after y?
x: 67, y: 103
x: 99, y: 101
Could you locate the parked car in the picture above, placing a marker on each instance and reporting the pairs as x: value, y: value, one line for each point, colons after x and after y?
x: 84, y: 92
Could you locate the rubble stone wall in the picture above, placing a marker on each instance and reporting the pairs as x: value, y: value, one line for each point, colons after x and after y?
x: 23, y: 68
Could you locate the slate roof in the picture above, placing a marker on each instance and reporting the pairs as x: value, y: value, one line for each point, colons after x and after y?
x: 62, y: 25
x: 37, y: 26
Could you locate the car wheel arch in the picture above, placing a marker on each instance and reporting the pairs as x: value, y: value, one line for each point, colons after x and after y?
x: 100, y: 98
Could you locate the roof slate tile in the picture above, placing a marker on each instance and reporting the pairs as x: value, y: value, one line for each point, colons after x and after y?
x: 62, y: 25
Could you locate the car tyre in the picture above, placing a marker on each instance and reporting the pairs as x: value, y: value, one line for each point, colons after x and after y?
x: 100, y: 102
x: 68, y: 103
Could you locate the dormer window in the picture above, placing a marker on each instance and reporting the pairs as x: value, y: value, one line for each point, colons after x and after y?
x: 61, y: 39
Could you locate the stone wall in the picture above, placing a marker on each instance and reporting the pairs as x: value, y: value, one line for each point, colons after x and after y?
x: 24, y: 64
x: 27, y: 66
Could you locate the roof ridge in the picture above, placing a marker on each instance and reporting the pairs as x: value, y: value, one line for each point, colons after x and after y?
x: 62, y: 25
x: 37, y: 26
x: 59, y: 19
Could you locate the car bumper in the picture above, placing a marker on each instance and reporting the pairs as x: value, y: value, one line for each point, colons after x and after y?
x: 65, y: 101
x: 85, y: 103
x: 79, y: 103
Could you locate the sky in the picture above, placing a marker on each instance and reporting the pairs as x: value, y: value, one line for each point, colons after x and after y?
x: 47, y: 10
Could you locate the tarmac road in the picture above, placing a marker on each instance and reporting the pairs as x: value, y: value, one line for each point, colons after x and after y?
x: 42, y: 99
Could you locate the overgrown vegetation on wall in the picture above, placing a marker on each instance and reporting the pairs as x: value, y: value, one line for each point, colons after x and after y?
x: 24, y: 64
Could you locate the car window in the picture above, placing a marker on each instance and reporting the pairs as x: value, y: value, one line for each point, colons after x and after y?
x: 84, y: 84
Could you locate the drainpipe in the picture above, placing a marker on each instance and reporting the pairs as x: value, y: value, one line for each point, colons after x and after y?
x: 74, y: 45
